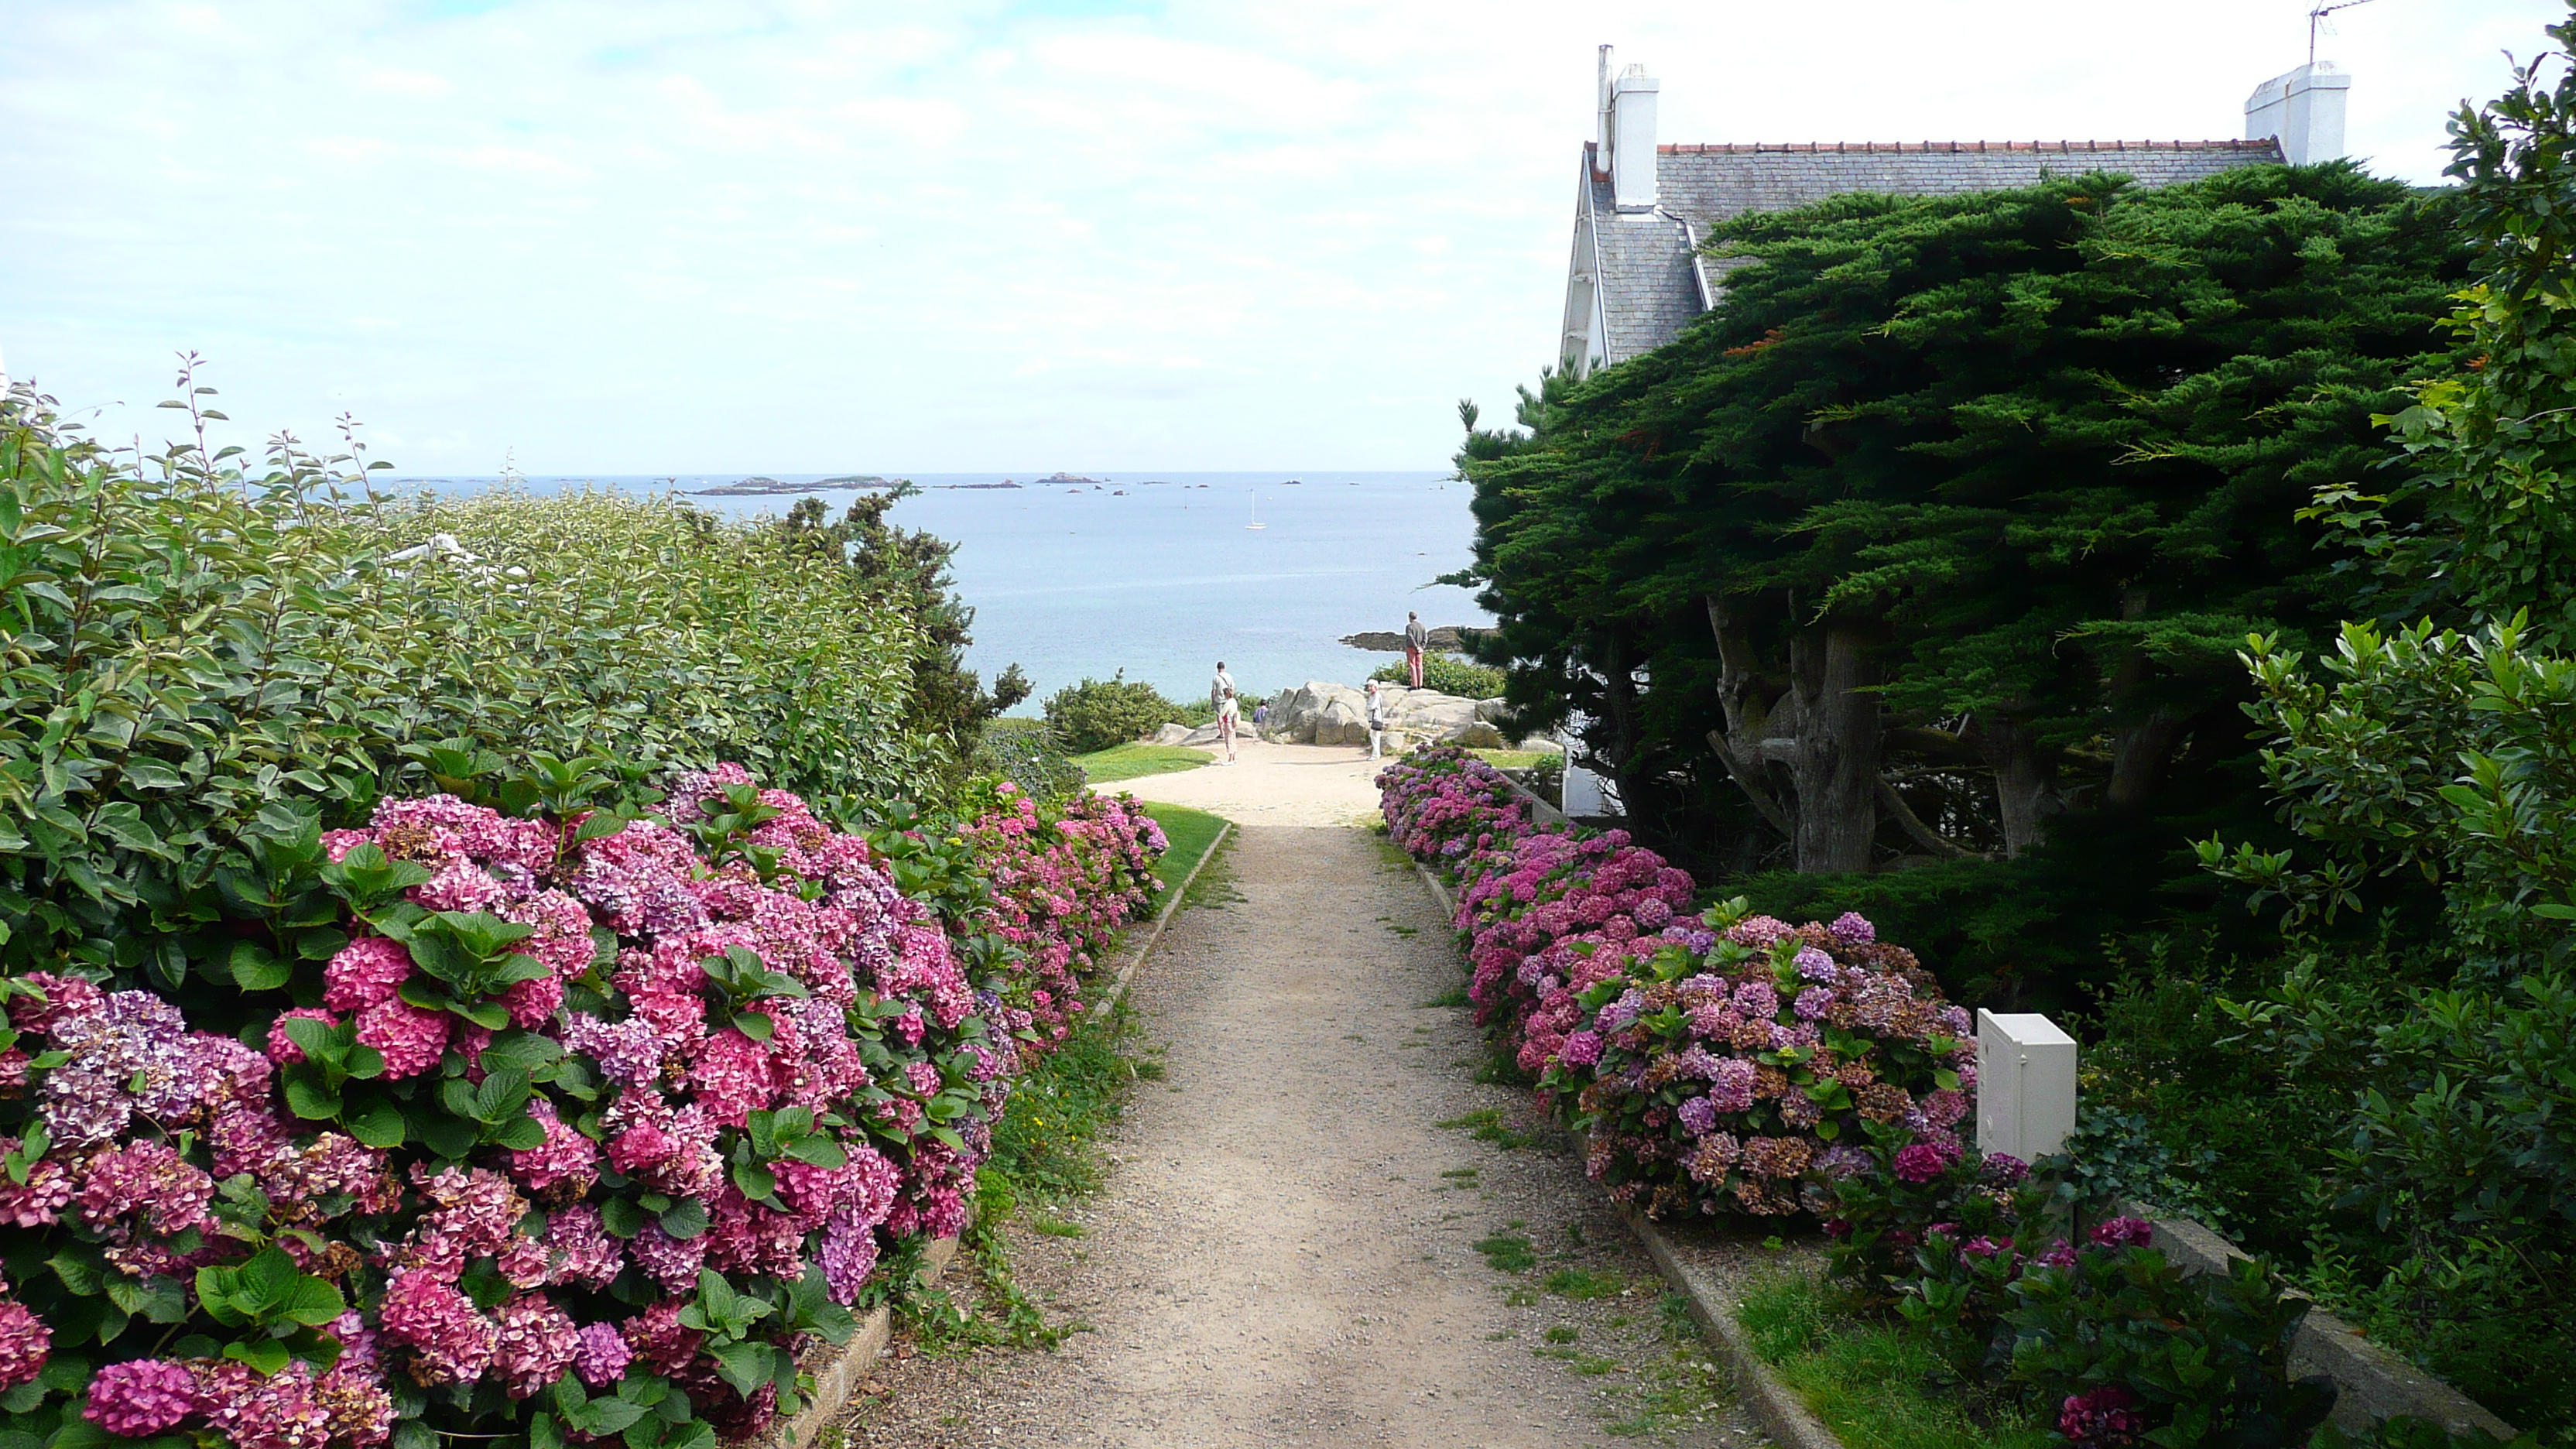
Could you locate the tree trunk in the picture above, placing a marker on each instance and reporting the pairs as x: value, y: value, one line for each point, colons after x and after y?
x: 1619, y: 702
x: 1742, y: 745
x: 2138, y: 751
x: 2025, y: 780
x: 1834, y: 757
x: 2138, y: 756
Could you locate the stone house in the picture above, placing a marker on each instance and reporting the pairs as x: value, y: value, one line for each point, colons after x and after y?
x: 1641, y: 210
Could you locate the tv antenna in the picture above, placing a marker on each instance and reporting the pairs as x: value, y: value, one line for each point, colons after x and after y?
x: 2317, y: 17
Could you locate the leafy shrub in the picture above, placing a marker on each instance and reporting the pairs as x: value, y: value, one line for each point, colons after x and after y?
x: 198, y: 649
x: 1098, y: 714
x: 591, y: 616
x: 2449, y: 758
x: 2129, y: 1347
x: 1026, y: 753
x: 1447, y: 674
x: 2115, y: 1344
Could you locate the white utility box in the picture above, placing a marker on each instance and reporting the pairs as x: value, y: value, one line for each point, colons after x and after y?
x: 2025, y: 1084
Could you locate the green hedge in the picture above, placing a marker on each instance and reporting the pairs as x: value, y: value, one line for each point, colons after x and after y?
x: 195, y: 658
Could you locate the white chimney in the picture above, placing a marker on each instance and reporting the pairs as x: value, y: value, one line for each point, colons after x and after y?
x: 1632, y: 137
x: 2304, y: 109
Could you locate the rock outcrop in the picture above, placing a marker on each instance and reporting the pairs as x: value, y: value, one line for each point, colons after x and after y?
x: 1444, y: 639
x: 1318, y: 713
x: 1181, y: 734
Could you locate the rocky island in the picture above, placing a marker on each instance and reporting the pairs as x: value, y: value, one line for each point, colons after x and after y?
x: 771, y: 487
x: 1445, y: 639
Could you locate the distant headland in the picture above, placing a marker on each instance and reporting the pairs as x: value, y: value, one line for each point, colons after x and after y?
x: 1445, y: 637
x: 771, y: 487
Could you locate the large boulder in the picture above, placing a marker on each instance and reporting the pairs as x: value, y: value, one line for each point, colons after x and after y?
x: 1321, y: 713
x: 1170, y: 734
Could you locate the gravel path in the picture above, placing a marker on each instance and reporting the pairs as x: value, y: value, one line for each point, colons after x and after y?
x: 1274, y: 785
x: 1289, y: 1249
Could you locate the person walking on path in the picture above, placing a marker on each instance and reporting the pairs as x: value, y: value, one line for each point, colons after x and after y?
x: 1376, y: 719
x: 1416, y: 639
x: 1221, y: 695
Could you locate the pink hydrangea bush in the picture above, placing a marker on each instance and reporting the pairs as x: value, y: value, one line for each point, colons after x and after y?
x: 1530, y: 897
x: 572, y: 1103
x: 1438, y: 809
x: 1064, y: 877
x: 1751, y: 1076
x: 1717, y: 1063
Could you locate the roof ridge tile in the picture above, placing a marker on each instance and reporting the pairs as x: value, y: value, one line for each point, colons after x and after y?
x: 1914, y: 148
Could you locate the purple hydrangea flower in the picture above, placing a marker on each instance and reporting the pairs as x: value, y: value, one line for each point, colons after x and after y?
x: 599, y: 1355
x: 1699, y: 1115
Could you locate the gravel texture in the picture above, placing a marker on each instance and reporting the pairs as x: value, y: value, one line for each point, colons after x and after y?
x: 1273, y: 785
x: 1287, y: 1250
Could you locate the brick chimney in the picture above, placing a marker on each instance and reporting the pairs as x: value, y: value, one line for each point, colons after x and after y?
x: 2303, y: 109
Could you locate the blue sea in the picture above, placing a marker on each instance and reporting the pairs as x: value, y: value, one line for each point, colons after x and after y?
x: 1158, y: 574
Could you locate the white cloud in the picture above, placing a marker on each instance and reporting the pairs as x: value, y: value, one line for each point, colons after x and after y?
x: 681, y: 237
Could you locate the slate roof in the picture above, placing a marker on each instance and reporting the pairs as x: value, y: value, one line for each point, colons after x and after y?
x: 1649, y: 277
x: 1651, y: 281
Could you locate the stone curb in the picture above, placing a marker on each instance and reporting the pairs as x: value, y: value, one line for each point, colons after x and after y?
x: 837, y: 1380
x: 1787, y: 1419
x: 2374, y: 1384
x: 1783, y: 1416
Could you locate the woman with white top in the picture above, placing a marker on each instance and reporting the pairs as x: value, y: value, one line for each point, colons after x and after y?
x: 1376, y: 719
x: 1221, y: 695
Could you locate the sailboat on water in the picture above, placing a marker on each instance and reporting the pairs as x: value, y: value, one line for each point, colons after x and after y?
x: 1256, y: 511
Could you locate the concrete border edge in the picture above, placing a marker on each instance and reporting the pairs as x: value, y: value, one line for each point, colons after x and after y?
x: 2374, y: 1383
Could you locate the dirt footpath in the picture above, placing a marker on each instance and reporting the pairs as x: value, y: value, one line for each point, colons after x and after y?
x: 1305, y: 1241
x: 1273, y: 785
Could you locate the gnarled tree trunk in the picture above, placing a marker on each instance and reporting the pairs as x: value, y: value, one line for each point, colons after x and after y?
x: 2025, y: 779
x: 1834, y: 756
x: 2138, y: 751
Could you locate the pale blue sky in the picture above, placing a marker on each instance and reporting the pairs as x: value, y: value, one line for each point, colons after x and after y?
x: 795, y: 235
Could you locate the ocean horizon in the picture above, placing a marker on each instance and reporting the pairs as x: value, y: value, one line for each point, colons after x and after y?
x: 1154, y: 573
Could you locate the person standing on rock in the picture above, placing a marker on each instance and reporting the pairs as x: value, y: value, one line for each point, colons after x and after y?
x: 1416, y: 639
x: 1221, y: 695
x: 1376, y: 719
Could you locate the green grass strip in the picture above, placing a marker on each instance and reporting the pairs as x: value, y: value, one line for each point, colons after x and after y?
x: 1187, y: 835
x: 1870, y: 1383
x: 1134, y: 762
